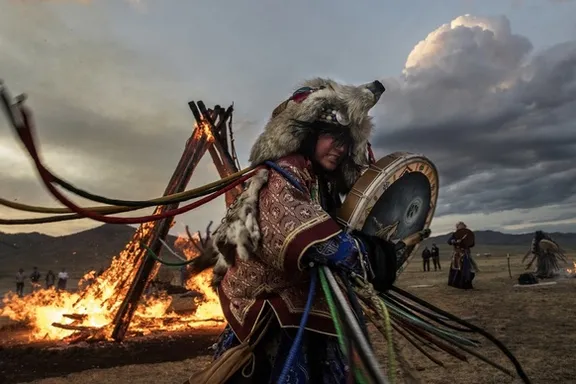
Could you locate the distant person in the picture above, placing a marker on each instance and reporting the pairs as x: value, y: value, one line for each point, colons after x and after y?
x: 50, y: 279
x: 435, y: 252
x: 62, y: 279
x: 35, y: 279
x: 20, y: 277
x: 463, y: 268
x: 426, y: 259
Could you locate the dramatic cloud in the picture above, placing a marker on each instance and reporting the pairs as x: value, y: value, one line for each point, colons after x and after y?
x: 496, y: 117
x: 107, y: 118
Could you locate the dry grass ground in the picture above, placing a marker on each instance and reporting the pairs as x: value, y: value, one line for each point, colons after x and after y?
x: 536, y: 323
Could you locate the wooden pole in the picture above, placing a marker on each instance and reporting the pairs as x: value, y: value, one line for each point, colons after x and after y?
x: 509, y: 269
x: 207, y: 136
x: 194, y: 150
x: 221, y: 157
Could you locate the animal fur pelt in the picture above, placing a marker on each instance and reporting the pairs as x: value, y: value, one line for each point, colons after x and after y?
x: 351, y: 103
x: 238, y: 233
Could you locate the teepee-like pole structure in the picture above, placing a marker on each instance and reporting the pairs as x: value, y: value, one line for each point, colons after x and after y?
x: 219, y: 121
x: 210, y: 134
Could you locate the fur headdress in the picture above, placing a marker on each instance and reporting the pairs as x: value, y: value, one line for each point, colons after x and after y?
x: 321, y: 100
x: 317, y: 100
x: 460, y: 225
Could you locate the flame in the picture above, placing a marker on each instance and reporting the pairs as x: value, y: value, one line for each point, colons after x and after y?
x: 57, y: 315
x: 209, y: 307
x: 572, y: 271
x: 203, y: 130
x: 63, y: 315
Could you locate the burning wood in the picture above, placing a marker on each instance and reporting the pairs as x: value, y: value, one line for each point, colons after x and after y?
x: 100, y: 303
x: 80, y: 316
x: 202, y: 138
x: 76, y: 316
x: 112, y: 304
x: 216, y: 120
x: 74, y: 327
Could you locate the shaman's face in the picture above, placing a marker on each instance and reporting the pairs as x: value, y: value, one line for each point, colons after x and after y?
x: 329, y: 153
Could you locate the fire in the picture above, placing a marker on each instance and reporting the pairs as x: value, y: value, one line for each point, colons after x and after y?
x: 205, y: 130
x: 58, y: 315
x: 209, y: 307
x: 572, y: 271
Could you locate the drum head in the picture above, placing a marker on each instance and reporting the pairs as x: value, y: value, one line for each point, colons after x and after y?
x: 548, y: 246
x: 466, y: 237
x: 393, y: 199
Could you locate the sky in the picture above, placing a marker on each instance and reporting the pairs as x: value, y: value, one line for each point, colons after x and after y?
x: 484, y: 89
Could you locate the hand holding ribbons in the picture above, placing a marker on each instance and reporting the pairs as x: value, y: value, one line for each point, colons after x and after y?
x: 358, y: 252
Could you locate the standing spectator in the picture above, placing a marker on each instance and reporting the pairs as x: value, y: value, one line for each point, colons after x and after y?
x: 426, y: 259
x: 436, y: 256
x: 463, y: 267
x: 62, y: 279
x: 35, y: 279
x: 50, y: 279
x: 20, y: 282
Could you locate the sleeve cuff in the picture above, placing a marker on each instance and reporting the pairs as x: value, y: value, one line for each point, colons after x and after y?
x: 304, y: 239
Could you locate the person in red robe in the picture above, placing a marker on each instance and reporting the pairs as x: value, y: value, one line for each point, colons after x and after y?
x: 463, y: 267
x: 316, y: 145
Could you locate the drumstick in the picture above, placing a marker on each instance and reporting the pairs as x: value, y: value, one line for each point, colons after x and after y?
x: 412, y: 239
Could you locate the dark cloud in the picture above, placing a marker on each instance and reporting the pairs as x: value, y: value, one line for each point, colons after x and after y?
x: 107, y: 117
x: 546, y: 227
x: 546, y: 220
x: 497, y: 118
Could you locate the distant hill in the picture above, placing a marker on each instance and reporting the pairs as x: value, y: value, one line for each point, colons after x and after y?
x: 566, y: 240
x: 95, y: 247
x: 78, y: 252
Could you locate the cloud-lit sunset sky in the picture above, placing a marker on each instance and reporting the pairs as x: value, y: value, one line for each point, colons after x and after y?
x: 485, y: 89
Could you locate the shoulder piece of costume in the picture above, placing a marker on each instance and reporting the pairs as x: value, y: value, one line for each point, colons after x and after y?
x: 316, y: 100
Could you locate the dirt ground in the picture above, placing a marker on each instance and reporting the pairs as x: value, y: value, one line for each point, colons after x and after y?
x: 535, y: 323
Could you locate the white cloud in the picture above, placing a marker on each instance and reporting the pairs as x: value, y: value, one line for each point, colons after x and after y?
x: 494, y: 115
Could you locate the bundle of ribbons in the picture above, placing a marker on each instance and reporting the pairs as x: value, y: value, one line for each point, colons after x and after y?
x: 427, y: 328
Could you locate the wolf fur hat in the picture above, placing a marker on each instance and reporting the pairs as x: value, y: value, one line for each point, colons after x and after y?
x: 321, y: 100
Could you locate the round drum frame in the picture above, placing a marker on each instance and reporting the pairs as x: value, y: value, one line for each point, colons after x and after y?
x: 375, y: 180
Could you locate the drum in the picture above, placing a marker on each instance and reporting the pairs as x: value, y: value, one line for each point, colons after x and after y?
x: 548, y: 246
x: 394, y: 198
x: 465, y: 238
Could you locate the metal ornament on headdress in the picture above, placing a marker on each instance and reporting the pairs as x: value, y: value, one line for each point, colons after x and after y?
x: 331, y: 115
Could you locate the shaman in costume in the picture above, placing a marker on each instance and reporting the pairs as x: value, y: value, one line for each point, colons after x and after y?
x: 282, y: 228
x: 318, y: 142
x: 463, y: 267
x: 546, y: 253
